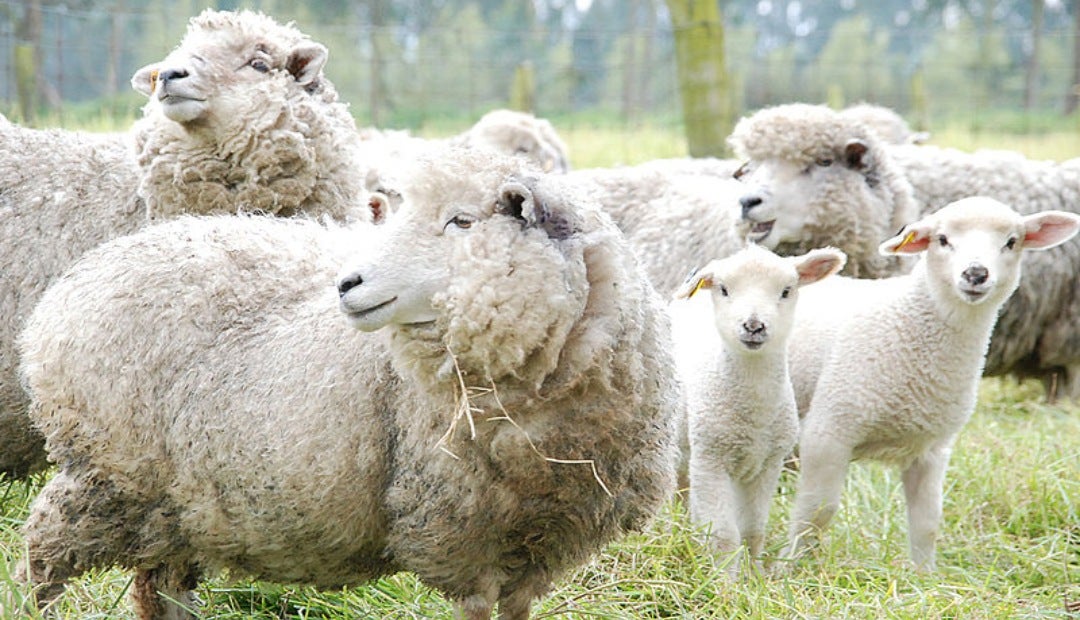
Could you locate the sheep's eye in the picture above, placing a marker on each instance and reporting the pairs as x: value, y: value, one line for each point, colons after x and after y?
x: 723, y: 290
x: 943, y: 241
x: 824, y: 162
x: 461, y: 221
x: 259, y: 65
x: 742, y: 170
x: 1011, y: 243
x: 784, y: 294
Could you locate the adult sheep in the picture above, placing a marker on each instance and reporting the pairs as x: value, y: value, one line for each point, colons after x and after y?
x: 240, y: 117
x: 886, y: 123
x: 511, y: 413
x: 815, y: 178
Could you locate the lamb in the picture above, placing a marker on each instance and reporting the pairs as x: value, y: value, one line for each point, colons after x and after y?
x: 816, y: 178
x: 732, y: 357
x: 262, y: 131
x: 901, y: 368
x: 671, y: 220
x: 505, y: 408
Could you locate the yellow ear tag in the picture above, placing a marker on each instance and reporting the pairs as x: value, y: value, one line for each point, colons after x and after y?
x: 908, y: 239
x: 153, y: 79
x: 700, y: 283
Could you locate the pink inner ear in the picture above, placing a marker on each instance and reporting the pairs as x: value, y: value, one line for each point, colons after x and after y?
x: 816, y: 269
x: 1050, y: 232
x: 910, y: 241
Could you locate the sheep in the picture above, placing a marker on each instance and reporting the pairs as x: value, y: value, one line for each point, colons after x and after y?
x: 671, y: 220
x: 886, y: 123
x: 518, y: 133
x: 900, y: 372
x: 504, y: 408
x: 273, y: 142
x: 1037, y: 334
x: 741, y: 419
x: 815, y: 178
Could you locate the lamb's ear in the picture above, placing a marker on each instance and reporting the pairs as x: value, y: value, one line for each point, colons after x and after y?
x: 911, y: 239
x: 145, y: 79
x: 855, y: 154
x: 306, y: 61
x: 379, y: 205
x: 699, y: 279
x: 1049, y: 228
x: 818, y: 264
x: 521, y: 199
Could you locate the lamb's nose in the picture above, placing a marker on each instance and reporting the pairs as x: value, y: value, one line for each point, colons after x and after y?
x: 753, y: 326
x: 748, y: 202
x: 172, y: 74
x: 348, y: 283
x: 975, y: 274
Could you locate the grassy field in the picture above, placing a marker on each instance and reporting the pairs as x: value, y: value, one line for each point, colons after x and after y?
x: 1010, y: 545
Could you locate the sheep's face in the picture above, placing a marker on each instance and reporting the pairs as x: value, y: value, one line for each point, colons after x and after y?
x: 782, y: 193
x: 973, y: 246
x: 220, y: 63
x: 754, y: 293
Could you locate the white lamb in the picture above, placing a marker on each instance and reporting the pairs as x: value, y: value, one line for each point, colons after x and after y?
x: 731, y: 352
x: 240, y: 118
x: 901, y: 358
x: 209, y: 407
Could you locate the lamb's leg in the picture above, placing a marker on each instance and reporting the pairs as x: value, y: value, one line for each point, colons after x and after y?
x: 923, y: 483
x: 712, y: 504
x: 164, y: 593
x: 823, y: 465
x: 755, y: 498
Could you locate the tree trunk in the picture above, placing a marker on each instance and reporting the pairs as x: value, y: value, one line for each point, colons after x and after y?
x: 703, y: 77
x: 1031, y: 74
x: 1072, y: 98
x: 630, y: 62
x: 28, y: 59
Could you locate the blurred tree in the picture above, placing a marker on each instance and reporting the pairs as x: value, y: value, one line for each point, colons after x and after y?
x: 1072, y: 95
x: 1031, y: 73
x: 28, y: 58
x: 703, y: 79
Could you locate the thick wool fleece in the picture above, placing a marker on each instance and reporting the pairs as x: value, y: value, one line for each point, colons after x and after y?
x: 1038, y: 332
x: 279, y: 146
x: 851, y: 212
x: 244, y: 426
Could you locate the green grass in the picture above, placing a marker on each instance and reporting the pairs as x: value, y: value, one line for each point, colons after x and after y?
x: 1010, y: 548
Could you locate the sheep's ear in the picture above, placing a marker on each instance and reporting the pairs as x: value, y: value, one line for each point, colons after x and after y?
x: 519, y: 199
x: 145, y: 79
x: 699, y: 279
x: 818, y: 264
x: 379, y: 205
x: 855, y: 154
x: 911, y: 239
x: 1047, y: 229
x: 306, y: 61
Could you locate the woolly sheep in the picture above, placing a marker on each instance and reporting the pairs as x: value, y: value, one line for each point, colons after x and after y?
x: 671, y: 220
x: 731, y: 352
x: 273, y: 141
x: 210, y: 408
x: 885, y: 122
x: 900, y: 372
x: 815, y: 178
x: 518, y: 133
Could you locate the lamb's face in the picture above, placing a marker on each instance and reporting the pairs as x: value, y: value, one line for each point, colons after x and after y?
x: 782, y: 195
x: 973, y: 247
x: 754, y: 293
x: 214, y: 72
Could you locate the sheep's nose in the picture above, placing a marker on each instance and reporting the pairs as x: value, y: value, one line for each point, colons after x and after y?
x: 348, y: 283
x: 975, y: 274
x: 753, y: 326
x: 748, y: 202
x: 172, y: 74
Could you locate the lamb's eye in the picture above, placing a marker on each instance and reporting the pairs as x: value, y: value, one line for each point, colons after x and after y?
x: 259, y: 65
x: 1011, y: 243
x: 943, y: 241
x: 784, y: 294
x: 462, y: 221
x: 824, y: 162
x: 723, y: 290
x: 742, y: 170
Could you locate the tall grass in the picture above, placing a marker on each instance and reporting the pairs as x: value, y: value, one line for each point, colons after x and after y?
x: 1010, y: 545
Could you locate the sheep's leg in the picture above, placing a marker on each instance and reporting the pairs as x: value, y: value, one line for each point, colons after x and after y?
x: 712, y: 504
x: 52, y: 553
x: 478, y: 606
x: 824, y: 465
x: 923, y: 483
x: 755, y: 498
x: 516, y: 606
x: 164, y: 593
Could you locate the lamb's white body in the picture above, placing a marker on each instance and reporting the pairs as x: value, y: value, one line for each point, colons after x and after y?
x: 272, y: 142
x: 730, y: 350
x: 900, y: 374
x: 210, y: 408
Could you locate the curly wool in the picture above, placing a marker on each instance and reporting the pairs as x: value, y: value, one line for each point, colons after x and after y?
x: 245, y: 426
x: 851, y: 217
x: 281, y: 147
